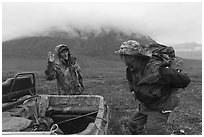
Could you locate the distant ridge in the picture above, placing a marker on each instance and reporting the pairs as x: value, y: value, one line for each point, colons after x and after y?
x: 100, y: 44
x: 92, y: 44
x: 189, y: 50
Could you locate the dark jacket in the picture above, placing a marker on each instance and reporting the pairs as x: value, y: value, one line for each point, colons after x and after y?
x: 68, y: 75
x: 156, y: 87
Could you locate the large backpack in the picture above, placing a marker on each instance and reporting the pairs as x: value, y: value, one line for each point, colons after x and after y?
x: 166, y: 55
x: 161, y: 51
x: 150, y: 83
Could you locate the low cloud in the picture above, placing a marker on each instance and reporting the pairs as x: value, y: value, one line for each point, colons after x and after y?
x: 167, y: 23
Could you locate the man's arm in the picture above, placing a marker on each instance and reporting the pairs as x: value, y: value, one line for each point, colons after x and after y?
x: 174, y: 78
x: 80, y: 78
x: 50, y: 72
x: 129, y: 78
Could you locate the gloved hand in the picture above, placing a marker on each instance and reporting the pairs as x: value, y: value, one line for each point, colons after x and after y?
x: 50, y: 57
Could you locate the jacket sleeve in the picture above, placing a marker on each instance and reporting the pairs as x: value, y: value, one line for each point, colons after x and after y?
x: 174, y: 78
x: 129, y: 78
x: 78, y: 70
x: 50, y: 72
x: 80, y: 79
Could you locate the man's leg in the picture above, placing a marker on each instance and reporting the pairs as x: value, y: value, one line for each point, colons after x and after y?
x: 136, y: 123
x: 156, y: 123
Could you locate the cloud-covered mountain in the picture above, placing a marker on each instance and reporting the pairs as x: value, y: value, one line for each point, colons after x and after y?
x: 91, y: 43
x: 99, y: 43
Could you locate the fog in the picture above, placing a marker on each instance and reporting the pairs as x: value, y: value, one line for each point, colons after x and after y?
x: 167, y: 23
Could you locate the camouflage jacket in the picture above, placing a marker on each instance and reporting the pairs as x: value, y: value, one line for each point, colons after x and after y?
x: 156, y: 87
x: 68, y: 76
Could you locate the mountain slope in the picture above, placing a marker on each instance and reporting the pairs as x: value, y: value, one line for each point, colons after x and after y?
x: 91, y: 44
x: 98, y: 44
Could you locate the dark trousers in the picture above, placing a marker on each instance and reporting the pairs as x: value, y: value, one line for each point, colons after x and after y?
x: 148, y: 122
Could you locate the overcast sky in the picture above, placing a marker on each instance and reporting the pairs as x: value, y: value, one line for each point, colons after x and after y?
x: 167, y: 23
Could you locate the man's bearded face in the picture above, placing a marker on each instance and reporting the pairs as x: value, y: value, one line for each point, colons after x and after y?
x: 64, y: 54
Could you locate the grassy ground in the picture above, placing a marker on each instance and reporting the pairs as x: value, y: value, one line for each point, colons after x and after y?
x: 108, y: 80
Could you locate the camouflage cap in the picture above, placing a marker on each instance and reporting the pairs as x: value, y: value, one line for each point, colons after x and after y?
x: 132, y: 47
x: 61, y: 47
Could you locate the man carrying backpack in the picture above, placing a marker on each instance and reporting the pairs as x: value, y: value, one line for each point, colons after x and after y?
x: 154, y: 75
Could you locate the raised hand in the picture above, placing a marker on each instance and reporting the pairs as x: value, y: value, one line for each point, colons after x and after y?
x: 50, y: 57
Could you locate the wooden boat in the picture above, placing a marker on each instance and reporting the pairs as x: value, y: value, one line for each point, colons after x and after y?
x: 70, y: 114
